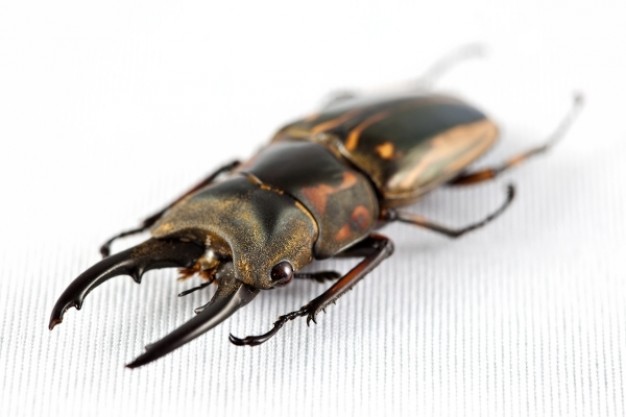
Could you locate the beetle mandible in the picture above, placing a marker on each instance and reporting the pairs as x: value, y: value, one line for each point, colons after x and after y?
x: 320, y: 189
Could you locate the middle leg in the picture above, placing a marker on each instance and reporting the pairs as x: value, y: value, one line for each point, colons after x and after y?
x: 417, y: 220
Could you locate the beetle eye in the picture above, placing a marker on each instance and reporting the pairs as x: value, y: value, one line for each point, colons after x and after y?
x: 282, y: 273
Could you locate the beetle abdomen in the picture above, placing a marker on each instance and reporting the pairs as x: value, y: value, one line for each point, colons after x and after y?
x: 342, y: 201
x: 407, y: 145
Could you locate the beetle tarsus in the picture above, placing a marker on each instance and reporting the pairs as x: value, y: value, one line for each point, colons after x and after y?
x: 278, y: 324
x: 152, y: 254
x: 310, y: 311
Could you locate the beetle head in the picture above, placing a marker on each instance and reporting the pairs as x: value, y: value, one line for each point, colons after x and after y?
x: 265, y: 233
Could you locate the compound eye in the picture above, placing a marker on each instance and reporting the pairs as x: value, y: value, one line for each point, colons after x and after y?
x: 281, y: 273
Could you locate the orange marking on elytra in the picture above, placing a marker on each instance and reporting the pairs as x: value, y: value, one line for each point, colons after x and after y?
x: 355, y: 134
x: 386, y: 150
x: 448, y: 152
x: 319, y: 194
x: 329, y: 124
x: 343, y: 234
x: 360, y: 217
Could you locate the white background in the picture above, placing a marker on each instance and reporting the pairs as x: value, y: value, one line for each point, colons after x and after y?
x: 109, y: 109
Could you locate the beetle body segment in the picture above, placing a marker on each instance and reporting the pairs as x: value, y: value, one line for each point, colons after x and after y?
x: 255, y: 226
x: 341, y: 199
x: 405, y: 145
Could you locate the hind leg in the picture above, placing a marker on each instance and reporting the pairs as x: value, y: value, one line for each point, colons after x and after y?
x: 424, y: 82
x: 489, y: 173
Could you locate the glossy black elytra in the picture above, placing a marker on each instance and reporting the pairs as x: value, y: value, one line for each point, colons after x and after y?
x: 321, y: 188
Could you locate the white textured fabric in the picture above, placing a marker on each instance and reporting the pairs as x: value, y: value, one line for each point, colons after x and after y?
x: 107, y: 112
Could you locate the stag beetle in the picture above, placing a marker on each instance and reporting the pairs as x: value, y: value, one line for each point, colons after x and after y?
x: 320, y: 189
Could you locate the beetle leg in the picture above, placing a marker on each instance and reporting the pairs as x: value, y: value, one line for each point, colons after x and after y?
x: 492, y: 172
x: 446, y: 63
x: 337, y: 97
x: 199, y: 287
x: 151, y: 254
x: 320, y: 276
x: 105, y: 249
x: 417, y: 220
x: 379, y: 248
x: 423, y: 83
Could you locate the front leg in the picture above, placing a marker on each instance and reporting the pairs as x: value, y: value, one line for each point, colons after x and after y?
x: 148, y: 222
x: 379, y: 248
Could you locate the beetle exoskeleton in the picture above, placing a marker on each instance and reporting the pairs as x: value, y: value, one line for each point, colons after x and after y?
x: 321, y: 188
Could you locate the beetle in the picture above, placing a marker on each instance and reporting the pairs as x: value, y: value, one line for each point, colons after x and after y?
x: 320, y: 189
